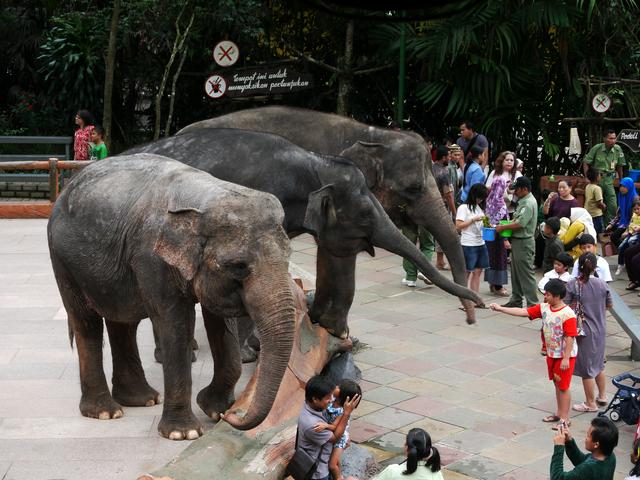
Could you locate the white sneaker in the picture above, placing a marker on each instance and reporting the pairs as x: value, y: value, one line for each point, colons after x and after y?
x: 408, y: 283
x: 620, y: 269
x: 424, y: 279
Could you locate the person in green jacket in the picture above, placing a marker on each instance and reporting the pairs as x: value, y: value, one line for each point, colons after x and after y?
x: 598, y: 464
x: 98, y: 149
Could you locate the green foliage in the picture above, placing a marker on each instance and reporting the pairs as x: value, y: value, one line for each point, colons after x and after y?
x: 72, y: 61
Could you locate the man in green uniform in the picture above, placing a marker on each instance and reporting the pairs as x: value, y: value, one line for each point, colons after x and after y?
x: 523, y: 246
x: 608, y: 158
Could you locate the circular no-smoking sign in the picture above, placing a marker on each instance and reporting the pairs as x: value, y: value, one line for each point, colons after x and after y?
x: 226, y: 53
x: 215, y: 86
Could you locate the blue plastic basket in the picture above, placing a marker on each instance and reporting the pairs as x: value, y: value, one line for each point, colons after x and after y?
x: 488, y: 234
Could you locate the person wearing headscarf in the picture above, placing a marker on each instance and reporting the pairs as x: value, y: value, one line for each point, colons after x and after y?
x: 581, y: 222
x: 626, y: 197
x: 496, y: 209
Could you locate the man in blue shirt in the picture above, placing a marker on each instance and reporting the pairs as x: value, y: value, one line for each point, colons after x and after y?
x: 472, y: 172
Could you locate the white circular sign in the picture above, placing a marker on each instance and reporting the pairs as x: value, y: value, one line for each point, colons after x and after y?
x: 215, y: 86
x: 226, y: 53
x: 601, y: 102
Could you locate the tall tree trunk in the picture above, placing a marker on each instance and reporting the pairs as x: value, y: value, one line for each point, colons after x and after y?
x: 346, y: 75
x: 172, y: 98
x: 178, y: 45
x: 109, y: 72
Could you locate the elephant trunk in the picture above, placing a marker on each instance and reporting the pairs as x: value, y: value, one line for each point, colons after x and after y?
x: 387, y: 236
x: 432, y: 214
x: 269, y: 301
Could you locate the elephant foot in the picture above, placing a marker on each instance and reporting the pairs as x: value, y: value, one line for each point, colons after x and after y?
x: 213, y: 403
x: 185, y: 427
x: 157, y: 353
x: 102, y: 407
x: 248, y: 354
x: 139, y: 395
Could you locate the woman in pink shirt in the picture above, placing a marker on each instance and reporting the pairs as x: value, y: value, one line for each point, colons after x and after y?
x: 82, y: 136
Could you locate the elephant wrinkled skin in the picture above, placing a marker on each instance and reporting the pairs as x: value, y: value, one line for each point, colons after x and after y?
x: 321, y: 194
x: 393, y: 162
x: 146, y: 236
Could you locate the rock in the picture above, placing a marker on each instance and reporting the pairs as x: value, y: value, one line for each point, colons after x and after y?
x: 340, y: 367
x: 358, y: 462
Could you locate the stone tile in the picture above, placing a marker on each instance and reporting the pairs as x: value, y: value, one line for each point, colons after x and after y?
x: 419, y: 386
x: 4, y: 468
x: 472, y: 441
x: 512, y: 376
x: 505, y: 428
x: 462, y: 417
x: 31, y: 371
x: 362, y: 431
x: 387, y: 396
x: 377, y: 357
x: 78, y: 427
x: 481, y: 468
x: 409, y: 366
x: 391, y: 418
x: 448, y: 376
x: 392, y: 442
x: 486, y: 385
x: 437, y: 430
x: 514, y: 454
x: 450, y: 455
x: 382, y: 376
x: 365, y: 407
x: 78, y: 470
x: 423, y: 405
x: 406, y: 348
x: 495, y: 406
x: 451, y: 475
x: 477, y: 366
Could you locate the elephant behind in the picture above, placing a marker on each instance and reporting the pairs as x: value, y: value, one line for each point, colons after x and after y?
x: 394, y: 164
x: 146, y: 236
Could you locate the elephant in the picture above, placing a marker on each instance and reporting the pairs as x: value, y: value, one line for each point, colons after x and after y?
x: 324, y: 195
x: 395, y: 164
x: 146, y: 236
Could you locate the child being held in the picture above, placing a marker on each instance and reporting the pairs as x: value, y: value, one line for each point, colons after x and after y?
x: 560, y: 328
x: 630, y: 236
x: 345, y: 389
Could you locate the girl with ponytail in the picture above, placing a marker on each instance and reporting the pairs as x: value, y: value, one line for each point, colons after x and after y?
x: 589, y: 297
x: 422, y: 463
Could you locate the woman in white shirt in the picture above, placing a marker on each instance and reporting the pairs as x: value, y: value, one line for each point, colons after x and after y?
x: 422, y: 463
x: 469, y: 222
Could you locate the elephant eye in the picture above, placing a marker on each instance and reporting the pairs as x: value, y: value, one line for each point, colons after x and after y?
x: 238, y: 270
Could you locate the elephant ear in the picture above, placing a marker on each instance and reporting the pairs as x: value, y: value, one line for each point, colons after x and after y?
x: 368, y: 157
x: 321, y: 211
x: 179, y: 241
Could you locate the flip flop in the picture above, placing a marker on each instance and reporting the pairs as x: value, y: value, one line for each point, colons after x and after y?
x: 551, y: 419
x: 584, y: 408
x: 631, y: 286
x: 603, y: 402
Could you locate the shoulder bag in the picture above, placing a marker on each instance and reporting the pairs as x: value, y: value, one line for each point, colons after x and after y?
x: 579, y: 310
x: 302, y: 466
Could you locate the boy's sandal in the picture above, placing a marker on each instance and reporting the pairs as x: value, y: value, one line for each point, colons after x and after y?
x: 584, y: 408
x: 551, y: 419
x: 631, y: 286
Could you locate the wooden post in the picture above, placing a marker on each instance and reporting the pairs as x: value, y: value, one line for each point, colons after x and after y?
x: 53, y: 179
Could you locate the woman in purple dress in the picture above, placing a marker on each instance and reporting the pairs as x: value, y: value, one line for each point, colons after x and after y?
x: 560, y: 204
x: 496, y: 209
x: 589, y: 297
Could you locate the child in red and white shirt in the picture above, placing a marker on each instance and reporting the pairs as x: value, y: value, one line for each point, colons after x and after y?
x: 559, y: 326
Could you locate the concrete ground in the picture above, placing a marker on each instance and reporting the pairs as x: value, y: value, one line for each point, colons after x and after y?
x: 480, y: 391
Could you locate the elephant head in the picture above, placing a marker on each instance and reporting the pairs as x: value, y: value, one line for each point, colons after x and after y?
x: 232, y: 256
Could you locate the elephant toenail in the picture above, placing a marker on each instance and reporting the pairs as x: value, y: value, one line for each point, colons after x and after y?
x: 175, y: 435
x: 192, y: 435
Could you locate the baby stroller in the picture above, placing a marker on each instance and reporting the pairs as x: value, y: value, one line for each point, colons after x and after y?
x: 625, y: 403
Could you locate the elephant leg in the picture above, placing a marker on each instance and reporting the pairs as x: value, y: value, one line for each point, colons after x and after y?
x: 157, y: 353
x: 247, y: 339
x: 218, y: 396
x: 96, y: 401
x: 335, y: 288
x: 130, y: 386
x: 175, y: 331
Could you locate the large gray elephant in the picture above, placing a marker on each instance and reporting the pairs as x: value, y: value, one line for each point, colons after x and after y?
x: 321, y: 194
x: 394, y: 164
x: 146, y: 236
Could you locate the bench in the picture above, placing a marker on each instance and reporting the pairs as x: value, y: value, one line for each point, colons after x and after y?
x: 628, y: 321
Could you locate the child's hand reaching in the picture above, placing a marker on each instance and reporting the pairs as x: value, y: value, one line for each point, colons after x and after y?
x: 351, y: 403
x: 495, y: 307
x: 320, y: 426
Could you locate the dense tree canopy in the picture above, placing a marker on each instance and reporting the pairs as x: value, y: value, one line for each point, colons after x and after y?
x: 516, y: 67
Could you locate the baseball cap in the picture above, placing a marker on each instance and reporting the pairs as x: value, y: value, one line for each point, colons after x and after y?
x: 522, y: 182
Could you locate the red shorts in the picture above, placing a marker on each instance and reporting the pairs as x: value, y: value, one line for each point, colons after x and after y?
x: 562, y: 378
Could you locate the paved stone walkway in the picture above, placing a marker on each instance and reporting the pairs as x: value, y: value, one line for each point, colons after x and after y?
x: 480, y: 391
